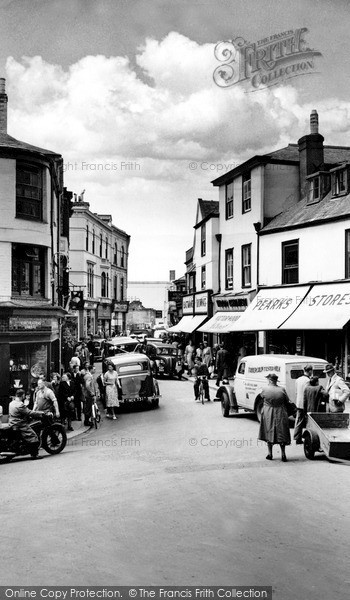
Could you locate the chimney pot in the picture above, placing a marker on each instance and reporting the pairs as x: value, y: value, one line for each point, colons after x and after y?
x: 314, y: 121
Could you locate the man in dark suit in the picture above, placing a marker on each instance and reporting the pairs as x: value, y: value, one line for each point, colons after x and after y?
x: 222, y: 364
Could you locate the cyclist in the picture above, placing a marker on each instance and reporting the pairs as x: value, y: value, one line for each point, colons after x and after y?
x: 202, y: 373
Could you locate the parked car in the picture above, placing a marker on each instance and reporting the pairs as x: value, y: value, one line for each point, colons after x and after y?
x: 251, y: 374
x: 136, y: 379
x: 115, y: 346
x: 165, y: 358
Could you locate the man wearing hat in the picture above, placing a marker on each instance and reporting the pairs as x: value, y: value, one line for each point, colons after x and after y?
x: 274, y: 424
x: 337, y: 389
x: 300, y: 385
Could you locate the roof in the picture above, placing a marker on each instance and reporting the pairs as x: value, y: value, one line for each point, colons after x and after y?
x: 304, y: 214
x: 208, y: 208
x: 290, y: 154
x: 285, y: 358
x: 8, y: 142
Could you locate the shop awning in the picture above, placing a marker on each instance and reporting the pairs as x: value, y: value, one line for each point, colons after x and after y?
x: 221, y: 322
x: 270, y: 308
x: 187, y: 324
x: 327, y: 306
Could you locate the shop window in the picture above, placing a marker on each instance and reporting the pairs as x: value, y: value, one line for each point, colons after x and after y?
x: 347, y: 253
x: 246, y: 192
x: 203, y: 274
x: 290, y: 262
x: 229, y: 269
x: 29, y: 192
x: 246, y: 266
x: 203, y: 234
x: 229, y: 201
x: 90, y: 280
x: 28, y: 271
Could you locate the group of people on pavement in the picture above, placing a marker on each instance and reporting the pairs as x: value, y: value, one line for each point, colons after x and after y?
x: 310, y: 397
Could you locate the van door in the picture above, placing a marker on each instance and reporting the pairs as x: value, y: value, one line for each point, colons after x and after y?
x: 240, y: 383
x: 294, y: 371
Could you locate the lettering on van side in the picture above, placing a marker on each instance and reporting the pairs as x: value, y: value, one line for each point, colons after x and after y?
x: 261, y: 369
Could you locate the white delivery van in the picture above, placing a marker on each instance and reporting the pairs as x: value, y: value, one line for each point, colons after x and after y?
x: 251, y: 374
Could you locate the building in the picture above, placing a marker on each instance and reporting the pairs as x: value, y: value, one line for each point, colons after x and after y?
x: 154, y: 294
x: 250, y: 197
x: 139, y: 317
x: 304, y: 262
x: 98, y: 261
x: 33, y: 250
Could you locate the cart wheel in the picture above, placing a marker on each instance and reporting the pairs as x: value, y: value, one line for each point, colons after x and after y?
x: 311, y: 444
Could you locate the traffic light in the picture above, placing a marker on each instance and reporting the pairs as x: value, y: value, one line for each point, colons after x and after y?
x: 76, y: 300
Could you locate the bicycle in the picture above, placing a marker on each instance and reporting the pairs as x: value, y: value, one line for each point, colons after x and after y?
x: 95, y: 413
x: 201, y: 391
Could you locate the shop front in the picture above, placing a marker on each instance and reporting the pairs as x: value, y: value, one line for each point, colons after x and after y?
x: 29, y: 347
x: 119, y: 316
x: 90, y: 321
x: 104, y: 318
x: 306, y: 319
x: 196, y: 308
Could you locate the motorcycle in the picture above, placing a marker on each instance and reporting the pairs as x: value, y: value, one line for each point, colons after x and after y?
x: 52, y: 437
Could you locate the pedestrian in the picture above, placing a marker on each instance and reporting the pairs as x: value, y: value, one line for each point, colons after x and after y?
x: 111, y: 381
x: 85, y: 354
x: 274, y: 424
x: 222, y: 364
x: 45, y: 399
x: 207, y: 355
x: 91, y: 349
x: 337, y: 389
x: 315, y: 397
x: 66, y: 400
x: 189, y: 356
x: 90, y: 391
x: 77, y: 383
x: 199, y: 351
x: 300, y: 385
x: 75, y: 360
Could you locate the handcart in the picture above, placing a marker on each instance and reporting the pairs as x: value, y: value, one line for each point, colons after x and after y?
x: 328, y: 433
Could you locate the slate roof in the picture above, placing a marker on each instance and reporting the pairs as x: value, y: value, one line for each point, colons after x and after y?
x: 7, y: 142
x: 208, y: 208
x: 303, y: 214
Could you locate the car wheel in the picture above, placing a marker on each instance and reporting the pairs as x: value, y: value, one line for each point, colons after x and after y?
x: 225, y: 404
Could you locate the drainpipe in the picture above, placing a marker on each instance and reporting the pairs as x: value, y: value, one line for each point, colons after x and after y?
x: 218, y: 237
x: 257, y: 227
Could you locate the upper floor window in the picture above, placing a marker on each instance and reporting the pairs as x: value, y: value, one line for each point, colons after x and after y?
x: 106, y: 250
x: 203, y: 274
x: 290, y: 261
x: 339, y: 182
x: 347, y: 253
x: 203, y: 233
x: 115, y: 287
x: 28, y: 270
x: 115, y: 258
x: 90, y: 280
x: 29, y: 192
x: 314, y: 192
x: 229, y: 269
x: 100, y: 245
x: 192, y: 283
x: 93, y: 242
x: 122, y: 257
x: 229, y: 200
x: 122, y: 288
x: 104, y: 284
x: 246, y: 192
x: 87, y: 238
x: 246, y: 265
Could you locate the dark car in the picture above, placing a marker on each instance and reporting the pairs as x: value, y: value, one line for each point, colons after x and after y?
x: 165, y: 358
x: 138, y: 386
x: 115, y: 346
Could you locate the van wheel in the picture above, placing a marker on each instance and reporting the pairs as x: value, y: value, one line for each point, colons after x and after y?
x: 225, y: 404
x: 258, y: 409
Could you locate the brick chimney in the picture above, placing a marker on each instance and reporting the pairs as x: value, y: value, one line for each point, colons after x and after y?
x: 311, y: 157
x: 3, y: 106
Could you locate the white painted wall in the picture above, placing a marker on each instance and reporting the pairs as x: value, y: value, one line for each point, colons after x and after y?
x: 210, y: 260
x: 321, y: 253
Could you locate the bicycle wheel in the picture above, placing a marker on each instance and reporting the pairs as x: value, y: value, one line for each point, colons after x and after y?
x: 201, y: 393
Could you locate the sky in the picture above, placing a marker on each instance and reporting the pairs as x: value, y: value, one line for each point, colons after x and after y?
x: 124, y: 90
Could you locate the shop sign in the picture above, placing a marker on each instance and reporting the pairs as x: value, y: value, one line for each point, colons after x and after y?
x: 29, y: 324
x: 104, y: 311
x: 120, y: 306
x: 187, y: 305
x: 201, y: 303
x: 230, y: 304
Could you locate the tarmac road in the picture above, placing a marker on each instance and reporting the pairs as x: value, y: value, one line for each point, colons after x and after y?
x: 177, y: 496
